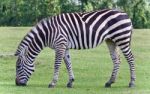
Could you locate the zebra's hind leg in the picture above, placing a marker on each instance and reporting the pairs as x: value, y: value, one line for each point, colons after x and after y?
x: 59, y: 55
x: 68, y: 64
x: 116, y: 61
x: 126, y: 50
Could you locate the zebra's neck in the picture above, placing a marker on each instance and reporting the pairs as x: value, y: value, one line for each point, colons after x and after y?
x: 28, y: 52
x: 41, y: 35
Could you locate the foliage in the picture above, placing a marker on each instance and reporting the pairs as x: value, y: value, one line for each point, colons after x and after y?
x: 29, y: 12
x: 67, y: 6
x: 92, y: 68
x: 137, y: 11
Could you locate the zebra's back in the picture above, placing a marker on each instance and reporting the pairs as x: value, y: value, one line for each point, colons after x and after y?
x: 81, y: 30
x: 87, y: 30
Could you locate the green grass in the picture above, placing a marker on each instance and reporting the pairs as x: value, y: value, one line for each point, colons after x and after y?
x: 92, y: 68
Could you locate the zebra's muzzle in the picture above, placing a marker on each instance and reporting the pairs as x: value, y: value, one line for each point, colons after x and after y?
x: 20, y: 83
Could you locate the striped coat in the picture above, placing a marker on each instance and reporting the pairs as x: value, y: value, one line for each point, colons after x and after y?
x: 76, y: 31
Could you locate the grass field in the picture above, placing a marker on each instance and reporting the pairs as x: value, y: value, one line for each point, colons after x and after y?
x: 92, y: 68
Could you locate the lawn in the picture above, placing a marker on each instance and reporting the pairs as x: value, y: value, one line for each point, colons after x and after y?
x: 92, y: 68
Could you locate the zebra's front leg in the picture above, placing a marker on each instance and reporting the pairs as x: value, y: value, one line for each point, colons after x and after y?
x: 59, y: 55
x: 116, y: 62
x: 67, y: 61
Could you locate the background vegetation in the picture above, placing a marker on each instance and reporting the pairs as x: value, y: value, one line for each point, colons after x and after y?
x: 92, y: 68
x: 95, y: 64
x: 29, y: 12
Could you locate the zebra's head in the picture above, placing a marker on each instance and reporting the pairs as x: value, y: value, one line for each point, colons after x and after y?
x: 24, y: 67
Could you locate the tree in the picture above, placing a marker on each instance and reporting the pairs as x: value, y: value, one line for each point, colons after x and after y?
x: 29, y: 12
x: 136, y: 10
x: 68, y: 6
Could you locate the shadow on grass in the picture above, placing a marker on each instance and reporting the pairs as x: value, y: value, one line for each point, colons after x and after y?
x: 30, y: 85
x: 85, y: 87
x: 7, y: 85
x: 100, y: 87
x: 37, y: 85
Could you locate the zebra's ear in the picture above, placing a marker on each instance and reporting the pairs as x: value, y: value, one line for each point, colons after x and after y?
x: 22, y: 52
x: 25, y: 51
x: 16, y: 54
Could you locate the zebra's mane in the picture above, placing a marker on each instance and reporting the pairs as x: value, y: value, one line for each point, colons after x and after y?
x: 28, y: 39
x: 22, y: 47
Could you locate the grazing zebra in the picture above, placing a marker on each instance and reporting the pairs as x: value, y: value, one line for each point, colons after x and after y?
x: 76, y: 31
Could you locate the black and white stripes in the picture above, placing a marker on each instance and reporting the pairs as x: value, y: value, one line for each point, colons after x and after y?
x: 76, y: 31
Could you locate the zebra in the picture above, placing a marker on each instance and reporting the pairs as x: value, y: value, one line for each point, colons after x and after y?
x: 76, y: 31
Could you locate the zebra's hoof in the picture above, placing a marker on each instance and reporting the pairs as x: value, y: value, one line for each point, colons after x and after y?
x: 131, y: 85
x: 69, y: 85
x: 51, y: 86
x: 107, y: 85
